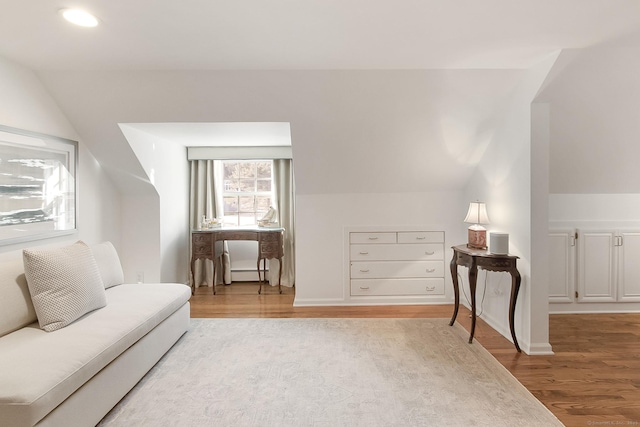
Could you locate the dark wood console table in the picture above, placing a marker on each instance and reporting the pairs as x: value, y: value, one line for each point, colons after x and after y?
x: 208, y: 244
x: 472, y: 259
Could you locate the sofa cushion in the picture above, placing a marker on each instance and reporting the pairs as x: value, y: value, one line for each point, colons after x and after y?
x: 108, y: 263
x: 40, y: 370
x: 16, y: 309
x: 64, y: 284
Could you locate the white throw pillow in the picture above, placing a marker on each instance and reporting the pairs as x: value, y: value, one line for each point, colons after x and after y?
x: 109, y: 265
x: 64, y: 284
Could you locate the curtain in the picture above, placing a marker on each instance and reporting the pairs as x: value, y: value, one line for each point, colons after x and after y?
x: 204, y: 200
x: 285, y: 205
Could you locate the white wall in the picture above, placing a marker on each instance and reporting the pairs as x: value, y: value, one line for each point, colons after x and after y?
x: 594, y: 177
x: 26, y: 104
x: 320, y: 234
x: 504, y: 181
x: 364, y: 142
x: 166, y: 166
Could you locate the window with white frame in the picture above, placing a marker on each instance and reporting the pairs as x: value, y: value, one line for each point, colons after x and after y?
x: 248, y: 190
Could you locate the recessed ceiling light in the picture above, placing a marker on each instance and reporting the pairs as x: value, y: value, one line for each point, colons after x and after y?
x: 79, y: 17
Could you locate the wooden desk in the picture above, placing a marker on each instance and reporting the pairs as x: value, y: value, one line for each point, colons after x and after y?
x: 208, y: 244
x: 472, y: 259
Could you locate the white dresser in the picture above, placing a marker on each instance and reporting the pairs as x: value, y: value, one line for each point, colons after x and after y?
x: 396, y: 263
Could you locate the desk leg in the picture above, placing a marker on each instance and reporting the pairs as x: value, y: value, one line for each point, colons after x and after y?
x: 193, y: 277
x: 515, y: 287
x: 214, y: 273
x: 456, y: 291
x: 473, y: 277
x: 279, y: 274
x: 260, y: 277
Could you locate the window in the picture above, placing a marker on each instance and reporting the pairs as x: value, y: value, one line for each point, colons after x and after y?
x: 248, y: 190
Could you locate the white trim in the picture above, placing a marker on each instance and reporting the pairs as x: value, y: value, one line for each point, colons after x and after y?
x: 239, y: 153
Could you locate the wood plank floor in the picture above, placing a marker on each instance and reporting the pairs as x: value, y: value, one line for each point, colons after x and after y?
x: 593, y: 378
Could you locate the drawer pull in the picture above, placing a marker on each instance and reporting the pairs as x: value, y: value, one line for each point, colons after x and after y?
x: 431, y: 288
x: 364, y: 253
x: 429, y: 270
x: 364, y: 271
x: 373, y: 238
x: 429, y: 253
x: 420, y: 238
x: 364, y: 288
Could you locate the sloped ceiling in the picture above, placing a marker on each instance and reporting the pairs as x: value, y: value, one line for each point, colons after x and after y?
x: 382, y: 96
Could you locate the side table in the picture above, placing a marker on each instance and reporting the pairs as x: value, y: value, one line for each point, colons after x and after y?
x: 472, y: 259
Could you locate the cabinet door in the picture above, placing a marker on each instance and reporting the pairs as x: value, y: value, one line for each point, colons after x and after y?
x: 596, y: 266
x: 629, y: 266
x: 562, y: 260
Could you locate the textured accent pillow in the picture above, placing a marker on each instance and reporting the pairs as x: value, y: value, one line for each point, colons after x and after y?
x: 109, y: 265
x: 64, y: 284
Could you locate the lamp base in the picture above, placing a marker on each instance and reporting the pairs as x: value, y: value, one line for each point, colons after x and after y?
x: 477, y: 239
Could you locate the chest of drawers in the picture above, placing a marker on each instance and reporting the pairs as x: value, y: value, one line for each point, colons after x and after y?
x: 388, y: 263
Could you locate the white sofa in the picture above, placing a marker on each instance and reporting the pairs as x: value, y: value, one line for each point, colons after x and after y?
x: 74, y: 375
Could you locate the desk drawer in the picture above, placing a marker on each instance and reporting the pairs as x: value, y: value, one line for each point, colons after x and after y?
x: 202, y: 244
x: 396, y: 269
x: 397, y: 287
x: 424, y: 252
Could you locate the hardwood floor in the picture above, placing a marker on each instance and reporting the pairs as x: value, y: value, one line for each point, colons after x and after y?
x: 593, y: 378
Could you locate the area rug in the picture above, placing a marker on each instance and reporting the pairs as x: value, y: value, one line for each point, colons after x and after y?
x: 328, y: 373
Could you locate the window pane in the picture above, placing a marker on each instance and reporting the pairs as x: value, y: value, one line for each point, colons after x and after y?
x: 230, y: 204
x: 231, y: 170
x: 247, y: 219
x: 264, y: 169
x: 247, y: 185
x: 264, y: 185
x: 248, y: 170
x: 247, y: 204
x: 263, y: 203
x: 231, y: 185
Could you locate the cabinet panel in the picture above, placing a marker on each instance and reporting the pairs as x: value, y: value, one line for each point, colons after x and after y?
x: 397, y: 252
x: 596, y: 266
x: 629, y: 267
x: 396, y: 269
x: 397, y: 286
x: 562, y: 266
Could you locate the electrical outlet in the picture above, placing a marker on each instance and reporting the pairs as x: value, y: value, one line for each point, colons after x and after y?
x: 140, y: 276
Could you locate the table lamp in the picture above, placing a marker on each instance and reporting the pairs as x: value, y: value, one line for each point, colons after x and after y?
x: 477, y: 215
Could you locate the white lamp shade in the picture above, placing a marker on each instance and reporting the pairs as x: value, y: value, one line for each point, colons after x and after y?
x: 477, y: 213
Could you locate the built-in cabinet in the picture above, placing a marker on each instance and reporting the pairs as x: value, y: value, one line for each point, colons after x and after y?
x: 396, y: 263
x: 594, y: 266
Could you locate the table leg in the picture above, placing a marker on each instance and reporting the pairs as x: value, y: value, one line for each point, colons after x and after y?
x: 515, y: 287
x: 473, y: 277
x: 456, y: 291
x: 279, y: 274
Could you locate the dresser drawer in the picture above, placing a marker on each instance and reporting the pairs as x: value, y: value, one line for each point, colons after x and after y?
x: 396, y: 269
x: 396, y: 252
x: 421, y: 237
x: 397, y: 287
x: 372, y: 238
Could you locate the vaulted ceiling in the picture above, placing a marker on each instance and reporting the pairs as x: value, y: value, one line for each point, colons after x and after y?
x: 415, y: 88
